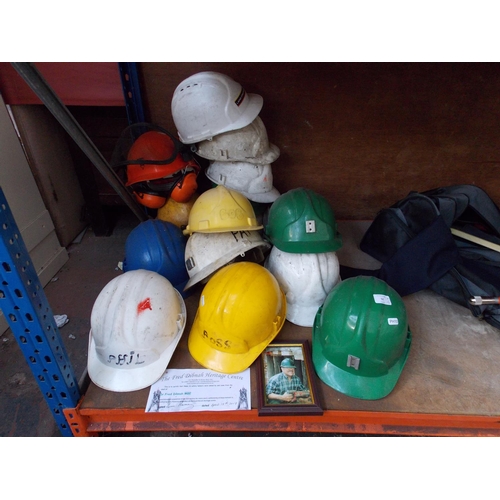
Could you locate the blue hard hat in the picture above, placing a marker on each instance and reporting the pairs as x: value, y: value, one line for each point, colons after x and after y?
x: 159, y: 246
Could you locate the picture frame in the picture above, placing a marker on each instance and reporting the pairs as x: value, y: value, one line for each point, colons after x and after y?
x: 292, y: 396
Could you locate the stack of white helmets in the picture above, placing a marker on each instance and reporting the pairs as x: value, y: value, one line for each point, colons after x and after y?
x: 215, y: 115
x: 241, y: 160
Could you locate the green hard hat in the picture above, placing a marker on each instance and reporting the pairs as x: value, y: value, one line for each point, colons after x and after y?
x: 288, y: 363
x: 302, y: 221
x: 361, y: 338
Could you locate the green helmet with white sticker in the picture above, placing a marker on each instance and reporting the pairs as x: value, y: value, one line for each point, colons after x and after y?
x: 361, y: 338
x: 302, y: 221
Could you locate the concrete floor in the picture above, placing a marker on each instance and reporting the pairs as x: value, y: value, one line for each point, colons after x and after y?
x: 92, y: 263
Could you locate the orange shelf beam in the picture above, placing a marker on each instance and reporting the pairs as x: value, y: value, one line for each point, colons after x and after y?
x: 92, y: 422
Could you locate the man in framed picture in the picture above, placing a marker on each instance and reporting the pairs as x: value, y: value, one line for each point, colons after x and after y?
x: 286, y: 387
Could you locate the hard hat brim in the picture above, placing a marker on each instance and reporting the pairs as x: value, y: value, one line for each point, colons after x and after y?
x: 356, y: 386
x: 301, y: 315
x: 255, y: 103
x: 112, y: 379
x: 221, y: 262
x: 189, y: 231
x: 269, y: 156
x: 268, y: 197
x: 266, y: 158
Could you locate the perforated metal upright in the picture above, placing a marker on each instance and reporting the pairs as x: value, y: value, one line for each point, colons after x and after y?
x: 131, y: 92
x: 25, y: 306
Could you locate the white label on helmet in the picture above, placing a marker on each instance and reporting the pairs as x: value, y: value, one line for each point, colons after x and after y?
x: 382, y: 299
x: 393, y: 321
x: 310, y: 226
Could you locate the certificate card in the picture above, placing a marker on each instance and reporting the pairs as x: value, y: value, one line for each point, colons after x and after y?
x: 200, y: 390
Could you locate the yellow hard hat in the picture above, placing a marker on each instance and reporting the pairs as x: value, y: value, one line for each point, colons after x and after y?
x: 219, y: 209
x: 241, y: 310
x: 176, y: 212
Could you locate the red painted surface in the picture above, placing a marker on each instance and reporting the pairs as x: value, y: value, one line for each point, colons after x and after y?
x: 142, y: 306
x: 76, y: 84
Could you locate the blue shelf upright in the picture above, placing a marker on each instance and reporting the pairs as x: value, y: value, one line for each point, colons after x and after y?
x: 131, y: 92
x: 26, y: 309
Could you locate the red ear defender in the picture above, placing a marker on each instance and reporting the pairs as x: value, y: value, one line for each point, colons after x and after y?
x: 152, y: 147
x: 185, y: 188
x: 150, y: 200
x: 159, y: 167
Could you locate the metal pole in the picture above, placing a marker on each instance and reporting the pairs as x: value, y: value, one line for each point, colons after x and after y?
x: 45, y: 93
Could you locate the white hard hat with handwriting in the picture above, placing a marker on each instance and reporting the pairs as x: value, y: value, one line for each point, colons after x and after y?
x: 136, y: 323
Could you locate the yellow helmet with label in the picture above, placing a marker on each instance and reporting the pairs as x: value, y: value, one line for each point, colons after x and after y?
x: 220, y: 209
x: 242, y: 308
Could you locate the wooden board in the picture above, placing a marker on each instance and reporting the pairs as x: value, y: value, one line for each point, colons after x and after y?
x: 45, y: 145
x: 363, y: 134
x: 452, y: 368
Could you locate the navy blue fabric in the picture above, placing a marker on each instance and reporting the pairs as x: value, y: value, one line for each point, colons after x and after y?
x: 413, y: 241
x: 417, y: 264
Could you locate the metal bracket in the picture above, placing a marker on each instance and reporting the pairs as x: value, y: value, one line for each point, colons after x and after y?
x: 78, y: 423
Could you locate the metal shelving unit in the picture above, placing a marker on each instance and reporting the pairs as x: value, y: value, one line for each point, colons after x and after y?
x: 409, y: 412
x: 22, y: 299
x: 25, y: 306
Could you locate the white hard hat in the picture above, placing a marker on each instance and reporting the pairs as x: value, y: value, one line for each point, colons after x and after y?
x: 136, y: 323
x: 207, y: 252
x: 210, y: 103
x: 249, y: 143
x: 254, y: 181
x: 306, y: 279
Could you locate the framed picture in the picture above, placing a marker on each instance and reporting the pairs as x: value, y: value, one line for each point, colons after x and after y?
x: 287, y: 382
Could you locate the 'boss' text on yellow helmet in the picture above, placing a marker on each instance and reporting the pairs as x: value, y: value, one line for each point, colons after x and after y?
x: 241, y: 310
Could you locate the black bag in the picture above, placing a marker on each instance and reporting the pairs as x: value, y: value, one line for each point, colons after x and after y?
x: 417, y: 240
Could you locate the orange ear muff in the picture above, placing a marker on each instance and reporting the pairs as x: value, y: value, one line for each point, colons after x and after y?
x: 150, y: 200
x: 185, y: 188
